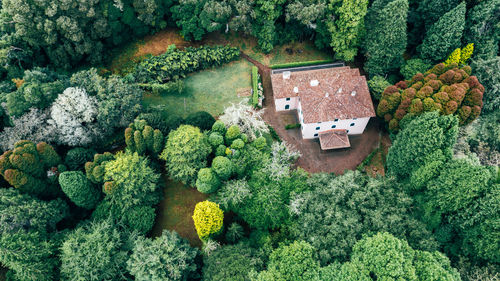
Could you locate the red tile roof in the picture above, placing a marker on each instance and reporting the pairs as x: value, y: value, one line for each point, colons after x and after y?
x: 332, y: 99
x: 333, y: 139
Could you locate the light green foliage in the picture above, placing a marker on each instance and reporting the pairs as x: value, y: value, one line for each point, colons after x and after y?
x: 76, y: 157
x: 444, y: 36
x: 385, y: 40
x: 79, y: 189
x: 215, y: 139
x: 134, y: 182
x: 481, y: 28
x: 223, y: 167
x: 185, y: 153
x: 231, y: 263
x: 260, y: 143
x: 428, y: 134
x: 348, y: 28
x: 488, y: 73
x: 232, y: 133
x: 219, y: 127
x: 293, y: 262
x: 237, y: 144
x: 338, y: 211
x: 142, y: 138
x: 414, y: 66
x: 207, y: 181
x: 95, y: 169
x: 377, y: 86
x: 96, y: 251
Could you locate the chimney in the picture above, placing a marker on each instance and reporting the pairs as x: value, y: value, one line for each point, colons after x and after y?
x: 353, y: 93
x: 314, y: 83
x: 286, y: 75
x: 296, y: 90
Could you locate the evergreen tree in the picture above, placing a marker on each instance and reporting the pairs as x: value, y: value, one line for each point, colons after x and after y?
x: 386, y: 36
x: 482, y: 28
x: 444, y: 36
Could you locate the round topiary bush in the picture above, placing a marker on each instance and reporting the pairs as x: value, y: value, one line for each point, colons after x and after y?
x: 208, y: 219
x: 223, y: 167
x: 207, y: 181
x: 237, y: 144
x: 201, y: 119
x: 79, y: 189
x: 232, y: 133
x: 260, y: 143
x: 219, y: 127
x: 140, y: 218
x: 215, y: 139
x: 221, y: 150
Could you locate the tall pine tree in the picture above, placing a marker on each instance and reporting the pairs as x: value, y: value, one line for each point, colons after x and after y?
x: 385, y: 40
x: 444, y: 36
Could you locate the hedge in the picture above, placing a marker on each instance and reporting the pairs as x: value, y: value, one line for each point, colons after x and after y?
x: 300, y: 63
x: 255, y: 86
x: 170, y: 88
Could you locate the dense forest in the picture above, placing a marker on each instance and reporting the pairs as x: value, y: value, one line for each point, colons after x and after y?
x: 84, y: 163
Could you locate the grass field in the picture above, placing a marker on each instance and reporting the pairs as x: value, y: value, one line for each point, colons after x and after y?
x: 210, y: 90
x: 176, y: 209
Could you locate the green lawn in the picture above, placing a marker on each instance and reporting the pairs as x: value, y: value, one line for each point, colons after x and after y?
x: 210, y: 90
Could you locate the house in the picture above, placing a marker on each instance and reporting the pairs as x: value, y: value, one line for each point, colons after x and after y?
x: 332, y: 101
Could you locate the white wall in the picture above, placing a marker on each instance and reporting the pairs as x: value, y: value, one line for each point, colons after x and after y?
x: 309, y: 130
x: 281, y: 103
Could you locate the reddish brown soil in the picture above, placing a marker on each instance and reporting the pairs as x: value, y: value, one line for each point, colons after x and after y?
x: 314, y: 159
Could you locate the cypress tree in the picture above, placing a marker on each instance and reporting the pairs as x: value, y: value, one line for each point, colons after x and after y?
x: 444, y: 36
x: 386, y: 36
x: 483, y: 30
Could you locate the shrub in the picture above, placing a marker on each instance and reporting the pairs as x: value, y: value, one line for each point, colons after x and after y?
x: 170, y: 88
x: 219, y: 127
x: 200, y: 119
x: 207, y: 181
x: 255, y: 87
x: 234, y: 232
x: 223, y: 167
x: 77, y: 157
x: 238, y: 144
x: 208, y: 218
x: 142, y: 138
x: 215, y: 139
x: 246, y: 118
x: 414, y: 66
x: 220, y: 150
x: 79, y: 189
x: 232, y: 133
x: 95, y: 169
x: 140, y: 218
x: 260, y: 143
x: 292, y: 126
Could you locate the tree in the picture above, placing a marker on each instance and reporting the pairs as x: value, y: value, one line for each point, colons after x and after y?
x: 96, y: 251
x: 76, y: 157
x: 79, y: 189
x: 95, y: 169
x: 208, y: 218
x: 222, y: 167
x: 185, y: 152
x: 488, y: 73
x: 385, y: 40
x: 412, y: 67
x: 444, y: 36
x: 167, y: 257
x: 427, y: 138
x: 74, y: 114
x: 377, y: 86
x: 481, y: 30
x: 248, y: 120
x: 201, y: 119
x: 231, y: 263
x: 142, y: 138
x: 207, y: 181
x: 187, y: 17
x: 338, y: 211
x: 293, y: 262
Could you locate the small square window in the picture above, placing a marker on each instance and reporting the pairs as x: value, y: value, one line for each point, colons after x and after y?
x: 287, y: 99
x: 315, y: 135
x: 336, y: 120
x: 352, y: 124
x: 354, y: 118
x: 348, y: 131
x: 334, y: 126
x: 287, y: 106
x: 317, y: 128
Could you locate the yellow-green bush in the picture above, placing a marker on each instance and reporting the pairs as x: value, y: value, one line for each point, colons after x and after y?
x: 208, y: 219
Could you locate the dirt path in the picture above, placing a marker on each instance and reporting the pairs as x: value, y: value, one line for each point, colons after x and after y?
x: 314, y: 159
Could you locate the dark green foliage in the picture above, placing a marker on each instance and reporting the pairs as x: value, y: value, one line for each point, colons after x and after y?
x: 187, y: 17
x: 430, y: 11
x: 414, y: 66
x: 481, y: 28
x: 25, y: 167
x: 377, y: 86
x: 222, y: 167
x: 488, y: 73
x: 302, y: 63
x: 142, y: 138
x: 231, y: 263
x: 207, y: 181
x: 215, y: 139
x: 185, y: 153
x: 157, y: 120
x: 170, y: 88
x: 385, y: 40
x: 444, y: 36
x: 140, y: 219
x: 200, y: 119
x: 77, y: 157
x: 168, y: 257
x: 338, y: 211
x: 79, y: 189
x: 95, y: 251
x: 296, y: 261
x: 255, y: 86
x: 426, y: 135
x: 234, y: 232
x: 176, y: 64
x: 292, y: 126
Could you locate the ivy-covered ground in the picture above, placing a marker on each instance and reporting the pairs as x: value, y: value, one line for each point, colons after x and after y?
x: 210, y: 90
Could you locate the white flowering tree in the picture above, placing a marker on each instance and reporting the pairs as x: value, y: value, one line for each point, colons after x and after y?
x: 282, y: 156
x: 74, y: 115
x: 249, y: 120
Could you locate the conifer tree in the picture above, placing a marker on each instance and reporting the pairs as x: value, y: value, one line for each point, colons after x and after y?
x: 482, y: 28
x: 386, y: 36
x: 444, y: 36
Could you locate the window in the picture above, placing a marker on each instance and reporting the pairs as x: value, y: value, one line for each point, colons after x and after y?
x: 287, y: 99
x: 287, y: 106
x: 336, y: 120
x: 348, y: 131
x: 334, y: 126
x: 317, y: 128
x: 354, y: 118
x: 352, y: 124
x: 315, y: 135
